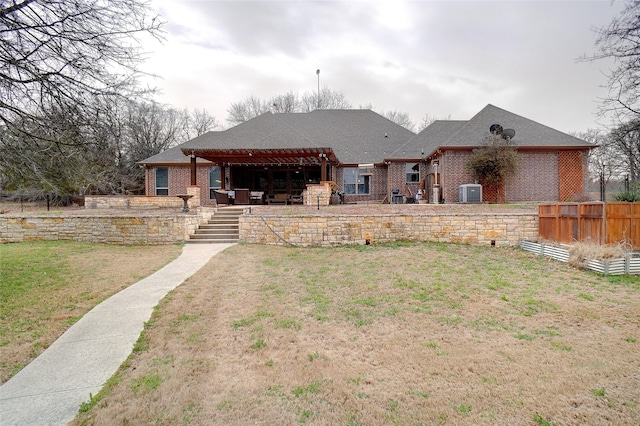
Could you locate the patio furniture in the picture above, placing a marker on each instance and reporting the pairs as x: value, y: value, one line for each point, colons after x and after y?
x: 396, y: 197
x: 257, y: 197
x: 280, y: 198
x: 242, y: 196
x: 222, y: 197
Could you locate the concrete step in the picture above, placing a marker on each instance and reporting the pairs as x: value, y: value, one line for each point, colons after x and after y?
x: 222, y: 221
x: 209, y: 241
x: 223, y: 227
x: 214, y: 237
x: 219, y: 226
x: 224, y: 231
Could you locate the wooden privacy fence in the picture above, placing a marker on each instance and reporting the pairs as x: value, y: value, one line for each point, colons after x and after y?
x: 598, y: 223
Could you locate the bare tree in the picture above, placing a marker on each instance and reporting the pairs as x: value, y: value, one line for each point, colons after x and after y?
x: 400, y: 118
x: 285, y: 103
x: 621, y: 41
x: 64, y: 54
x: 242, y: 111
x: 251, y: 107
x: 328, y: 100
x: 198, y: 123
x: 625, y: 140
x: 98, y: 154
x: 428, y: 119
x: 152, y: 128
x: 604, y: 157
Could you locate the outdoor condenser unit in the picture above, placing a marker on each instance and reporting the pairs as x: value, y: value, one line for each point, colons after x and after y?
x: 470, y: 193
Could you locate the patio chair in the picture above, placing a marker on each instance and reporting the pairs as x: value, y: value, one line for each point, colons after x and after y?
x: 396, y: 197
x: 221, y: 197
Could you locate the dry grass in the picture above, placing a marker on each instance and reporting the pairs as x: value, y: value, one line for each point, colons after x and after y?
x: 48, y: 286
x: 393, y: 334
x: 580, y: 252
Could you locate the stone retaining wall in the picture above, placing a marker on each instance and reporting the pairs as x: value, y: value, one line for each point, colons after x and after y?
x: 483, y: 229
x: 113, y: 229
x: 131, y: 201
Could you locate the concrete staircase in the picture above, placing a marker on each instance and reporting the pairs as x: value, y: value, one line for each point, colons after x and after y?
x: 223, y: 227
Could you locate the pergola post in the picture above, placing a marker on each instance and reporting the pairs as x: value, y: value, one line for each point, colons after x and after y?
x: 193, y: 168
x: 323, y: 167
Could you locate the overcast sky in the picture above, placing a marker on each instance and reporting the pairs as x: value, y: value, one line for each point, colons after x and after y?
x: 443, y: 58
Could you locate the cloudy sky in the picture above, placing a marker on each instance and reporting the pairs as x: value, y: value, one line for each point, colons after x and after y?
x: 442, y: 58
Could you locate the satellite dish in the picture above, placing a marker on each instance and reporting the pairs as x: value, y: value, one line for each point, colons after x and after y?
x: 495, y: 129
x: 508, y: 133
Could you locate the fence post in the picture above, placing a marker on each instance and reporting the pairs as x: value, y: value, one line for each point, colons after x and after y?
x: 604, y: 225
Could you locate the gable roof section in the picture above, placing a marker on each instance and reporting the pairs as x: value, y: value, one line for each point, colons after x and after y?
x: 172, y: 155
x: 529, y: 133
x: 473, y: 133
x: 429, y: 139
x: 355, y: 136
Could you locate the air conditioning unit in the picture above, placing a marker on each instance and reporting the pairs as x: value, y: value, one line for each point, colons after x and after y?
x: 470, y: 193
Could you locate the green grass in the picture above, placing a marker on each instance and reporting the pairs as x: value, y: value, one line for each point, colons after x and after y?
x: 541, y: 421
x: 290, y: 323
x: 147, y: 383
x: 463, y: 409
x: 48, y: 286
x: 245, y: 322
x: 302, y: 391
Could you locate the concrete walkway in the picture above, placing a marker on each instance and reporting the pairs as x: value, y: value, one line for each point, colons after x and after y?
x: 51, y: 388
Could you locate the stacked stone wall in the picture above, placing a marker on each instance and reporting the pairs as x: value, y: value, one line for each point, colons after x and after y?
x: 482, y: 229
x: 120, y: 229
x: 131, y: 201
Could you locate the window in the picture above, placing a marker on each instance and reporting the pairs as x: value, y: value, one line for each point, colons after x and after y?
x: 215, y: 181
x: 162, y: 181
x: 357, y: 181
x: 413, y: 172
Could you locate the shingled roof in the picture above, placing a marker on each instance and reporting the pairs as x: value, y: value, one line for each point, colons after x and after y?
x: 355, y: 136
x: 473, y: 133
x: 363, y: 136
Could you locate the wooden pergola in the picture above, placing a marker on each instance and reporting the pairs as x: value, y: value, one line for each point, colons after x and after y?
x: 250, y: 157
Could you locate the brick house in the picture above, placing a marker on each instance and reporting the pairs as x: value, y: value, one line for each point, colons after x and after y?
x: 366, y: 155
x: 552, y: 165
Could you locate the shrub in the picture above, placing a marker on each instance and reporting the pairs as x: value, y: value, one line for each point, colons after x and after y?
x: 494, y: 161
x: 630, y: 196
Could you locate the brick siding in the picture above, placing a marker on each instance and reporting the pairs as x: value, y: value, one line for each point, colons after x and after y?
x: 453, y: 173
x: 180, y: 179
x: 540, y: 176
x: 536, y: 177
